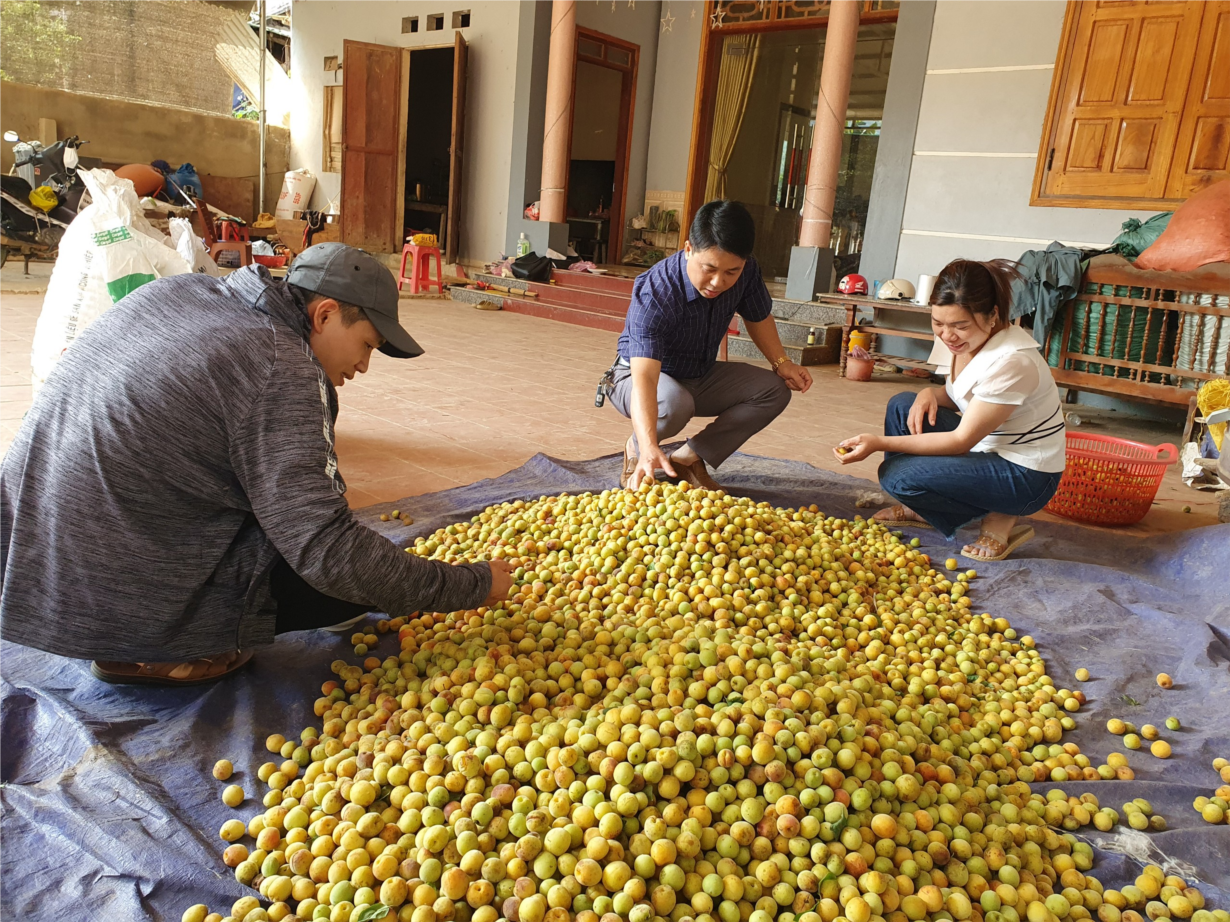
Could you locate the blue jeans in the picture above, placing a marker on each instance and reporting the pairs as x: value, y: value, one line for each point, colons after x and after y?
x: 952, y: 490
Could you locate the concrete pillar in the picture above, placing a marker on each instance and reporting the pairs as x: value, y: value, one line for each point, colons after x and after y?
x: 895, y: 152
x: 557, y: 134
x: 838, y: 67
x: 811, y: 261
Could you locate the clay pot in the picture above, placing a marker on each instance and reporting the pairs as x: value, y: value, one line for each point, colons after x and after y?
x: 859, y: 369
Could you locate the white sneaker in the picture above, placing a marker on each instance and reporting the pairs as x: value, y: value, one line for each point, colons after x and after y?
x: 345, y: 625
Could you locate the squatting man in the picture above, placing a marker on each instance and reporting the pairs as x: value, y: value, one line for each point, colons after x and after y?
x: 194, y: 420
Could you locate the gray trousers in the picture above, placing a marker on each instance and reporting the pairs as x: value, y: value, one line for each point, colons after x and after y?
x: 744, y: 398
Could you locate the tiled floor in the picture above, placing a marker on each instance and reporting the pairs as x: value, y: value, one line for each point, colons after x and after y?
x: 14, y: 279
x: 493, y: 389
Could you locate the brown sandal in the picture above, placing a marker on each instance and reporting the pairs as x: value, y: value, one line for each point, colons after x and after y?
x: 189, y: 672
x: 630, y: 460
x: 898, y: 519
x: 695, y: 475
x: 1016, y: 537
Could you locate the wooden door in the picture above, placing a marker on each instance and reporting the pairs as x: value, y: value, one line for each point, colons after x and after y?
x: 371, y: 147
x: 456, y: 149
x: 1202, y: 154
x: 1118, y: 115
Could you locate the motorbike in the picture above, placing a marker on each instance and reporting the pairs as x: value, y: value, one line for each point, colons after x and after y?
x: 28, y: 230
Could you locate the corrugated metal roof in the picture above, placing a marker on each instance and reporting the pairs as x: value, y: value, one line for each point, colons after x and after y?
x: 238, y: 51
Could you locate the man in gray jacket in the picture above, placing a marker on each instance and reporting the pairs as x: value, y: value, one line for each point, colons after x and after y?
x: 173, y: 497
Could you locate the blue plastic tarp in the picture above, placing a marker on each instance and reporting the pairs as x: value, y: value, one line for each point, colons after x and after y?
x: 110, y: 810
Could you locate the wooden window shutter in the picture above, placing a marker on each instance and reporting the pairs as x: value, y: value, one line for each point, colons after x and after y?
x: 1202, y: 155
x: 1138, y: 111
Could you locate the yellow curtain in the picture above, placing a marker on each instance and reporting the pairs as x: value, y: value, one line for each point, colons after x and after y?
x: 739, y: 55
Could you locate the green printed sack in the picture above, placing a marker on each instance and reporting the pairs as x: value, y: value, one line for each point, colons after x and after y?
x: 108, y: 251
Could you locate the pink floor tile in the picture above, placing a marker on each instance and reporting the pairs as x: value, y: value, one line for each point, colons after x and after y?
x: 494, y: 389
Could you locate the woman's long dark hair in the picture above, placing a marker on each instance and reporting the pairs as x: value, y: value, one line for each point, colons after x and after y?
x: 980, y: 288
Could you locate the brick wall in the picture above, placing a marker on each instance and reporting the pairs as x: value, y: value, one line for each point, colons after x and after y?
x: 155, y: 51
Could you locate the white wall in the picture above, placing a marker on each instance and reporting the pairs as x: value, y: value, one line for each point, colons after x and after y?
x: 977, y: 140
x: 321, y: 26
x: 529, y: 115
x: 674, y: 97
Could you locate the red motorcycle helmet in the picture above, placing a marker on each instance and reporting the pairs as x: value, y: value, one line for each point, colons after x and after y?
x: 852, y: 285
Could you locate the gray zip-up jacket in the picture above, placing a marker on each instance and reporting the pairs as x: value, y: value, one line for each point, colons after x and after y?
x: 182, y: 443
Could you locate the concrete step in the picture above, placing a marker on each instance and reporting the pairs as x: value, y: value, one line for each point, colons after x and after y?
x: 598, y: 301
x: 612, y: 284
x: 567, y: 281
x: 808, y: 312
x: 586, y: 298
x: 470, y: 296
x: 742, y: 347
x: 602, y: 303
x: 795, y: 334
x: 533, y: 307
x: 562, y: 278
x: 487, y: 279
x: 595, y: 320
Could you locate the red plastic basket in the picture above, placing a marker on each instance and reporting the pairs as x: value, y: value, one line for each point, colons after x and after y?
x: 1109, y: 481
x: 273, y: 262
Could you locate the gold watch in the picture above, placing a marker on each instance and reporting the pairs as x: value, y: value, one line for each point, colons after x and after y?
x: 778, y: 363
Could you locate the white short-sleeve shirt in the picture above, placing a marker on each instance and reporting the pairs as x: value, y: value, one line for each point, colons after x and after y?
x: 1010, y: 369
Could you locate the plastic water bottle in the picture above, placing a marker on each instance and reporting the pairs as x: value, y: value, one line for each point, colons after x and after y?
x: 523, y: 246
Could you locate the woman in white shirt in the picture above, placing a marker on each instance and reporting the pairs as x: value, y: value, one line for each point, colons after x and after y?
x: 989, y: 445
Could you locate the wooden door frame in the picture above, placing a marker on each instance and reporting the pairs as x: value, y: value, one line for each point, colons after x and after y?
x: 706, y: 87
x: 456, y: 146
x: 623, y: 143
x: 403, y: 126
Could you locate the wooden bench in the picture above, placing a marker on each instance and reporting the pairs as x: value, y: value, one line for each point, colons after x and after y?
x: 1150, y: 336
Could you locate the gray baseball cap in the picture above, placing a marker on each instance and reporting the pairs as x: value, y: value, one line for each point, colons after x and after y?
x: 356, y: 277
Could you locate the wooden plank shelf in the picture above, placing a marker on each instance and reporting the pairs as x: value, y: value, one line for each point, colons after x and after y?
x: 886, y: 359
x: 892, y: 331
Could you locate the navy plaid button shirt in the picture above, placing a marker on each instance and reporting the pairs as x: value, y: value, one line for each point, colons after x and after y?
x: 669, y: 320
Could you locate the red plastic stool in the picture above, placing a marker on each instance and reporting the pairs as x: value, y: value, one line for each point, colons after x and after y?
x: 420, y: 268
x: 232, y: 231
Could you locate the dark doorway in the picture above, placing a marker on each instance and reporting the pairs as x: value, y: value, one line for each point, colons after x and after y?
x: 428, y: 140
x: 604, y: 88
x: 591, y: 169
x: 403, y: 120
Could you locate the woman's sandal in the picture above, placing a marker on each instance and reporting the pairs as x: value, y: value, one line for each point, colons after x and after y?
x: 190, y: 672
x: 1016, y: 537
x: 899, y: 520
